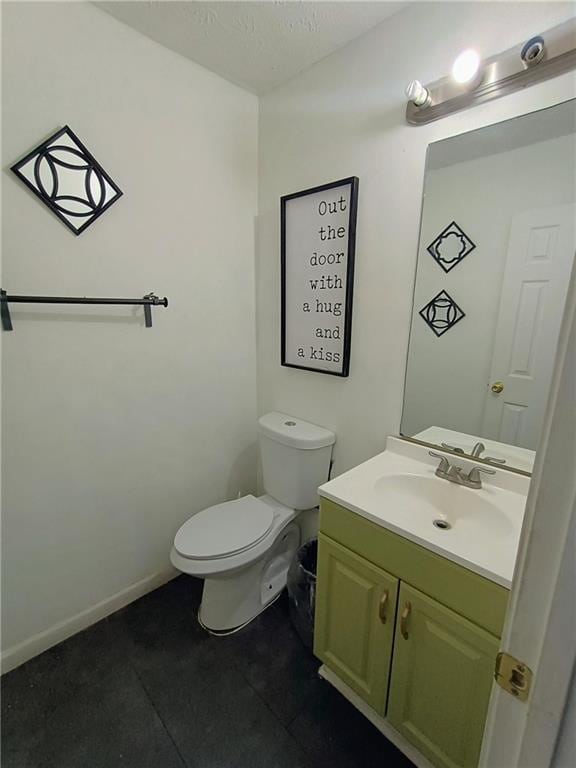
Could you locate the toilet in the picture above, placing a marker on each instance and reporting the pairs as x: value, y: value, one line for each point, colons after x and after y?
x: 243, y: 548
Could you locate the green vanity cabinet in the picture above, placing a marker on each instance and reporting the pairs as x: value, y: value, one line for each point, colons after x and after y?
x: 355, y: 615
x: 414, y: 634
x: 441, y: 680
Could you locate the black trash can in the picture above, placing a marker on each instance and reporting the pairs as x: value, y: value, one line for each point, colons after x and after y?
x: 301, y: 586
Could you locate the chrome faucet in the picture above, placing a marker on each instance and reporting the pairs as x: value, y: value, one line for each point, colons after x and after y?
x: 453, y: 474
x: 476, y: 452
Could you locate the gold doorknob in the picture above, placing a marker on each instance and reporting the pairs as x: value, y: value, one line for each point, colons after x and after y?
x: 497, y: 387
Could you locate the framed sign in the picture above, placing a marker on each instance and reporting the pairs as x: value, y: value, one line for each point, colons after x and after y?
x: 318, y: 238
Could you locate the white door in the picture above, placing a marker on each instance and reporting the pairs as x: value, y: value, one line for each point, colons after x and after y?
x: 538, y: 265
x: 540, y: 626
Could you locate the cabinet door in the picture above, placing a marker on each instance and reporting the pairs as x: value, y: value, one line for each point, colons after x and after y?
x: 441, y: 680
x: 355, y: 614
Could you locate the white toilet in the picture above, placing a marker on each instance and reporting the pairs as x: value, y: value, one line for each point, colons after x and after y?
x: 243, y: 548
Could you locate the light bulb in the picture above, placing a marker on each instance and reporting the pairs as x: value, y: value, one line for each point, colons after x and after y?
x: 466, y: 66
x: 417, y: 93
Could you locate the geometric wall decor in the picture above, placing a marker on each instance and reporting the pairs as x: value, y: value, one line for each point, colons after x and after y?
x: 450, y: 247
x: 442, y: 313
x: 67, y: 178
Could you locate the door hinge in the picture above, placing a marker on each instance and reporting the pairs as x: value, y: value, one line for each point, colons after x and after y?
x: 513, y: 675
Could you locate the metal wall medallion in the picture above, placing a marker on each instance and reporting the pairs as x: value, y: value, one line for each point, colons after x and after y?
x: 67, y: 178
x: 442, y: 313
x: 450, y: 247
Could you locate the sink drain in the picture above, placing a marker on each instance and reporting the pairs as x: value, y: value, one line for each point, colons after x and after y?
x: 442, y: 524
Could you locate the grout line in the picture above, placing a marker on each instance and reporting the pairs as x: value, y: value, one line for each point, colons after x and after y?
x: 285, y: 726
x: 166, y: 729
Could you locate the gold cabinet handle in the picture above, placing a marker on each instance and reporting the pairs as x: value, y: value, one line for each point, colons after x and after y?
x: 404, y: 620
x: 497, y: 387
x: 382, y: 606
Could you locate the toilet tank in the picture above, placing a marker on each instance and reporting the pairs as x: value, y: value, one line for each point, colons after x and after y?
x: 295, y: 458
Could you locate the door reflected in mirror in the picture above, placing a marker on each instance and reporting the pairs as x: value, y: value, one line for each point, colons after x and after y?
x: 496, y: 254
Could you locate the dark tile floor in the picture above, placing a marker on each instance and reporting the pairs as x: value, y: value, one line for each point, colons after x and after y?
x: 148, y: 688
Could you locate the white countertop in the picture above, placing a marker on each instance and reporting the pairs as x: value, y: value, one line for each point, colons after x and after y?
x: 398, y: 489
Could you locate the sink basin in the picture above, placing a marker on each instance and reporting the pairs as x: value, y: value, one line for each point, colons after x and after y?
x: 478, y: 528
x: 454, y: 508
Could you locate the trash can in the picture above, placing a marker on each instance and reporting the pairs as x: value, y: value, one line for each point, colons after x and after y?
x: 301, y: 584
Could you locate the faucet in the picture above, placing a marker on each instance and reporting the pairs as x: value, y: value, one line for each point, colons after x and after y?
x: 476, y: 452
x: 479, y: 449
x: 453, y: 474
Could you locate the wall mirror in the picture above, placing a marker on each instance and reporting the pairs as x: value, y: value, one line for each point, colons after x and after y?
x: 496, y: 254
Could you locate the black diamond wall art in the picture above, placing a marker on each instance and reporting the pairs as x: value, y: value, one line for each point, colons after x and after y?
x: 450, y: 247
x: 442, y: 313
x: 67, y: 178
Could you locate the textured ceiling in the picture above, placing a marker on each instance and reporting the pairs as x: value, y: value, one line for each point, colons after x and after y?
x: 256, y: 45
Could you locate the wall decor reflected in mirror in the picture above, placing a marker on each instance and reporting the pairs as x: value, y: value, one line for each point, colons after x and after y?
x: 442, y: 313
x: 450, y: 247
x: 499, y: 218
x: 68, y: 179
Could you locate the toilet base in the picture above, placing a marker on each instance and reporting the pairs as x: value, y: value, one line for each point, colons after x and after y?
x: 226, y: 632
x: 231, y: 600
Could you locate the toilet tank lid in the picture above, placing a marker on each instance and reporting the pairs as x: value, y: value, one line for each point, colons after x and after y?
x: 294, y: 432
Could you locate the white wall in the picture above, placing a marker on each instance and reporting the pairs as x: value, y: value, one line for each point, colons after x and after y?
x: 345, y: 117
x: 114, y: 434
x: 447, y: 377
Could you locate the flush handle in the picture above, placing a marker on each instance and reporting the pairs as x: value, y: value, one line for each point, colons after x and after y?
x: 382, y: 605
x: 404, y: 620
x: 497, y: 387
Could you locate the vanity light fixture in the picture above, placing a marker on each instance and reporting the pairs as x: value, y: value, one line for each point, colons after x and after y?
x: 474, y: 81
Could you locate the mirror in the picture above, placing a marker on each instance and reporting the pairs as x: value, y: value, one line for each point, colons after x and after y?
x: 496, y: 253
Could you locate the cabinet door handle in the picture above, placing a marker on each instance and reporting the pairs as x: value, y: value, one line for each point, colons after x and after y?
x: 382, y: 606
x: 404, y: 620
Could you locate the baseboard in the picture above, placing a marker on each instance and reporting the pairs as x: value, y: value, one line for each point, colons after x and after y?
x: 33, y: 646
x: 379, y: 722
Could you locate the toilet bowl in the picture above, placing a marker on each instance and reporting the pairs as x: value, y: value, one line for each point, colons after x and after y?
x: 243, y: 548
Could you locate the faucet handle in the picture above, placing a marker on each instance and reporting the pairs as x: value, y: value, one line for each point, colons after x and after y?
x: 444, y: 465
x: 494, y: 460
x: 474, y: 474
x: 484, y: 469
x: 452, y: 448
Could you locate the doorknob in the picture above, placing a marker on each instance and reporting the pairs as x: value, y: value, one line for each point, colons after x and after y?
x: 497, y: 387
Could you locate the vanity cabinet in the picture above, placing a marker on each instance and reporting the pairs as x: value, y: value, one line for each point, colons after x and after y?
x: 355, y: 621
x: 410, y: 632
x: 441, y: 680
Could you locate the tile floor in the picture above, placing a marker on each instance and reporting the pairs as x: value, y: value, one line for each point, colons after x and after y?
x: 148, y: 688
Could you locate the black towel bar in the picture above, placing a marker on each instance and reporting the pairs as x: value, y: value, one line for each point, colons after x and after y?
x: 150, y: 300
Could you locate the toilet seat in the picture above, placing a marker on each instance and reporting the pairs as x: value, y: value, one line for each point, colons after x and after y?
x: 224, y: 529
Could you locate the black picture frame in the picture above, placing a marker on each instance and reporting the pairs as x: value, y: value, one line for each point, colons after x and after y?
x: 353, y: 183
x: 91, y: 163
